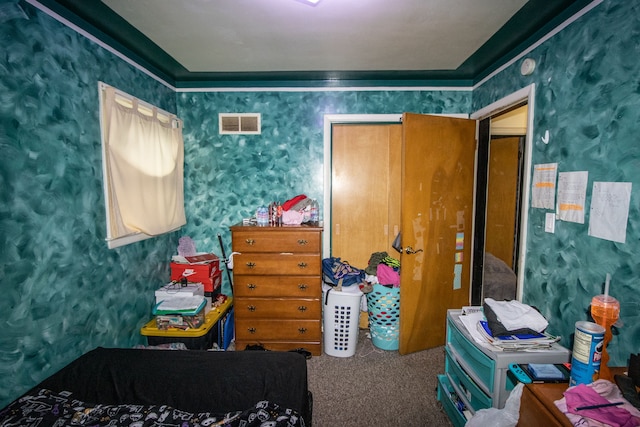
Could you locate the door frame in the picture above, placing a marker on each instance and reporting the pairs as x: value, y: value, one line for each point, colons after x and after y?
x: 526, y: 94
x: 329, y: 120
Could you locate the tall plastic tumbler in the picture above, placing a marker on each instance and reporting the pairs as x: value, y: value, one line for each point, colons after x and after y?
x: 605, y: 310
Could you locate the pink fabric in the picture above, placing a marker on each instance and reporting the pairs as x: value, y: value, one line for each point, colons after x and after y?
x: 387, y: 275
x: 292, y: 217
x: 598, y: 392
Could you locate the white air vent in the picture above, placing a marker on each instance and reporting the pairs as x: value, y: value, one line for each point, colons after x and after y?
x: 239, y: 123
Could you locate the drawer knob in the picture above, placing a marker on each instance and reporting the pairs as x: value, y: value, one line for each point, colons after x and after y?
x: 251, y: 330
x: 250, y: 242
x: 251, y: 264
x: 303, y: 286
x: 302, y: 242
x: 302, y: 308
x: 251, y: 308
x: 302, y: 330
x: 302, y: 264
x: 251, y: 286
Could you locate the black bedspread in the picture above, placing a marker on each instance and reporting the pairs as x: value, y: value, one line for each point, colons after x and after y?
x: 192, y: 381
x: 46, y: 408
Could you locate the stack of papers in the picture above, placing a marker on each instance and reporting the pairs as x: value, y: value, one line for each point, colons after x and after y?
x: 476, y: 324
x: 187, y: 306
x: 538, y: 341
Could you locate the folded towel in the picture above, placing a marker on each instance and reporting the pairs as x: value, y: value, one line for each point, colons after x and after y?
x: 497, y: 328
x: 515, y: 315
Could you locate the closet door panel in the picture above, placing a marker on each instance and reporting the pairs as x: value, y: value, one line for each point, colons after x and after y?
x: 361, y: 189
x: 395, y: 176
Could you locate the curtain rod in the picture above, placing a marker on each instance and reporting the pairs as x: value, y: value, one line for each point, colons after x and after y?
x: 103, y: 86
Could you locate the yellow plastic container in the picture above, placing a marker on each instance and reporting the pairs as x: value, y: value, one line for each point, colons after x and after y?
x: 201, y: 338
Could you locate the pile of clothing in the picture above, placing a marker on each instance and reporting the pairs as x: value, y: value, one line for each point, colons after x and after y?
x: 506, y: 318
x: 512, y: 325
x: 382, y: 269
x: 598, y: 395
x: 297, y: 210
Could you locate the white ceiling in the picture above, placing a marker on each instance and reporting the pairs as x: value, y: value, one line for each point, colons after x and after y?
x: 288, y: 35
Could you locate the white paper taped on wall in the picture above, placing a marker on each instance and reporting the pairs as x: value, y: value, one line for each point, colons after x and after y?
x: 544, y: 186
x: 572, y: 194
x: 609, y: 210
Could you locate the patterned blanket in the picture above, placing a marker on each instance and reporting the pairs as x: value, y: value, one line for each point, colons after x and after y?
x: 47, y: 408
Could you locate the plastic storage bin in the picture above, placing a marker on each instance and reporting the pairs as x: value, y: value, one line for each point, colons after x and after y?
x: 383, y: 304
x: 341, y: 314
x: 201, y: 338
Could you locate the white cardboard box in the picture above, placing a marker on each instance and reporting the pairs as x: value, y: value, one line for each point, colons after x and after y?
x: 176, y: 290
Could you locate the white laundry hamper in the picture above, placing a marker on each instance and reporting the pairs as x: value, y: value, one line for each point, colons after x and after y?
x: 341, y: 316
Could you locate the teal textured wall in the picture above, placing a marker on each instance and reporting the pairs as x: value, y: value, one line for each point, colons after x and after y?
x: 228, y: 176
x: 63, y: 292
x: 588, y: 97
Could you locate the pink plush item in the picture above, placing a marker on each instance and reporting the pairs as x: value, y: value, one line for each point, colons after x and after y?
x: 598, y: 392
x: 388, y: 276
x: 292, y: 217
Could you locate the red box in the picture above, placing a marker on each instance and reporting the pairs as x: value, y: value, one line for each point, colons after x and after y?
x: 216, y: 283
x: 208, y: 274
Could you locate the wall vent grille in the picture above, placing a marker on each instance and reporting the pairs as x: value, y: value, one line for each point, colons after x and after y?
x: 240, y: 123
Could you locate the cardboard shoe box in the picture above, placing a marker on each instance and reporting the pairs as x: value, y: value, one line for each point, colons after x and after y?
x: 216, y: 283
x: 206, y: 272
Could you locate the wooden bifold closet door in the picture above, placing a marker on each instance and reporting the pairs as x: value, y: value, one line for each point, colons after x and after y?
x: 365, y: 190
x: 416, y: 177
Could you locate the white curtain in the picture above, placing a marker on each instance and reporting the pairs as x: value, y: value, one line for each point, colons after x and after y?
x: 144, y: 162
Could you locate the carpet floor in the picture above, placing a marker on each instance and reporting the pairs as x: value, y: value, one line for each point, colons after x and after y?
x: 376, y: 387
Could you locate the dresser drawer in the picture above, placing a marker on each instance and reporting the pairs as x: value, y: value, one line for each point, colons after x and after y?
x: 276, y: 241
x: 478, y: 365
x: 277, y: 264
x: 277, y: 286
x: 265, y: 330
x: 277, y: 308
x: 464, y: 385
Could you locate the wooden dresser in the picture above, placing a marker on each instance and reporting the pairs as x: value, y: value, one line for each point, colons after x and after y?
x: 537, y: 407
x: 277, y: 287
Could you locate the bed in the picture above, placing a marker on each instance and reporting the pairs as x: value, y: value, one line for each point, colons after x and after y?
x: 143, y: 387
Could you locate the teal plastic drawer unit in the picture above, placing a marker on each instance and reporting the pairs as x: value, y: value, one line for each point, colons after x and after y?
x: 478, y: 365
x: 447, y: 396
x: 468, y: 389
x: 476, y: 375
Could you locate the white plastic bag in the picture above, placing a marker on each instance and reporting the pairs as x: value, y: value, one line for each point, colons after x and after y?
x: 507, y: 417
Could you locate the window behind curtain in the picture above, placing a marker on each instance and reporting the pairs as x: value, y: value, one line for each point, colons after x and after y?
x: 143, y: 162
